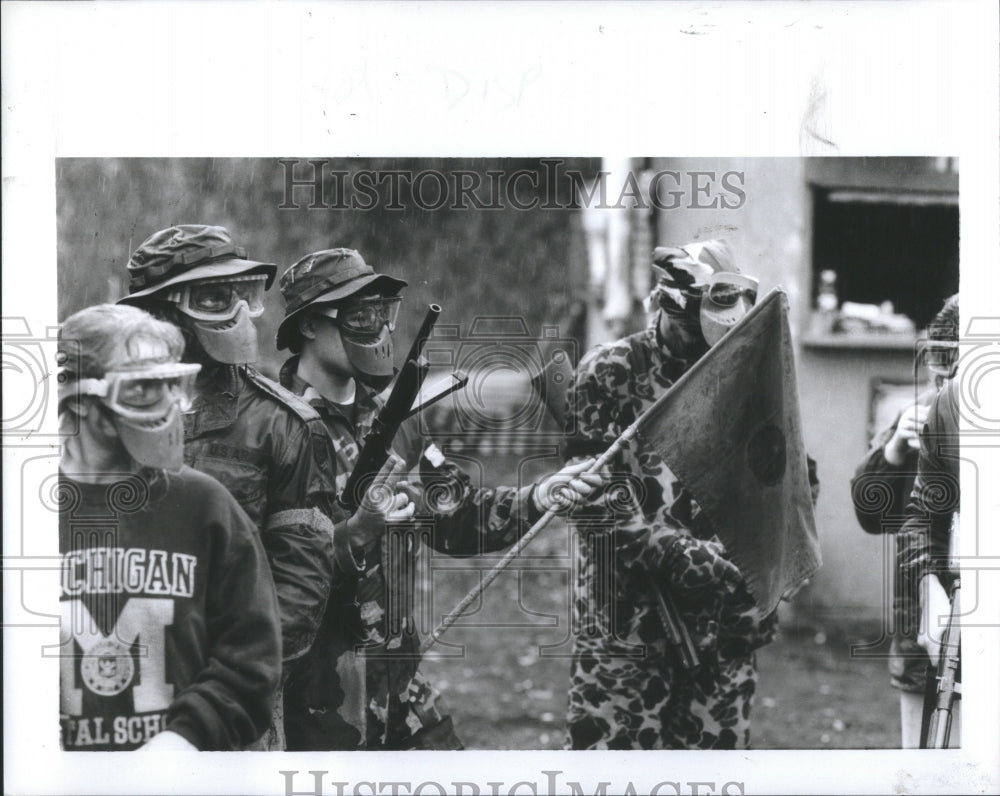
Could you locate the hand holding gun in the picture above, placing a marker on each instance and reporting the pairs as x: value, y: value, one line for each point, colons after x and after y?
x: 378, y: 442
x: 382, y: 503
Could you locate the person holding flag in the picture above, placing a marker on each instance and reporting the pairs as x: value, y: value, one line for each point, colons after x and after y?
x: 707, y: 521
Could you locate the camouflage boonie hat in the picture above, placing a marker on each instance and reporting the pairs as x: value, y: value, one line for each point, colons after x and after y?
x: 185, y: 253
x: 324, y: 277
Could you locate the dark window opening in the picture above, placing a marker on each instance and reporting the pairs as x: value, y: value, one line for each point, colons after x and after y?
x: 894, y: 247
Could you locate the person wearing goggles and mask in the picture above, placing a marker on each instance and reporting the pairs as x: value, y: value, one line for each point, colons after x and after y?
x: 169, y: 632
x: 700, y: 295
x: 659, y: 546
x: 339, y: 319
x: 892, y: 462
x: 267, y: 447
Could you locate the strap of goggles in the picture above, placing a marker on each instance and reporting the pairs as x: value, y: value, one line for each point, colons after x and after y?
x: 229, y: 279
x: 95, y: 387
x: 333, y: 312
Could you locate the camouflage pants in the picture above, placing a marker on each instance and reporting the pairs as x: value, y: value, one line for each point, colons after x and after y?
x: 414, y: 719
x: 616, y: 703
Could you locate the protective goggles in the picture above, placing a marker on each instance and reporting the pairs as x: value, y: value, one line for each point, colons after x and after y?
x: 220, y: 299
x: 940, y: 357
x: 365, y: 316
x: 725, y: 290
x: 144, y: 394
x: 720, y: 292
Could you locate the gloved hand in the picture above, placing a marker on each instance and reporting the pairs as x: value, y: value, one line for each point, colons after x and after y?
x: 696, y: 566
x: 569, y: 486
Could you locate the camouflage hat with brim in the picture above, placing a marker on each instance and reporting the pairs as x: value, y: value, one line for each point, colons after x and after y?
x: 325, y: 277
x: 186, y: 253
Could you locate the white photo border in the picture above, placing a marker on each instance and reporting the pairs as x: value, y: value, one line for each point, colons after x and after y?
x: 350, y: 79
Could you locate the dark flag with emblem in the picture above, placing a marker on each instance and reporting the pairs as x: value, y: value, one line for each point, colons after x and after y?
x: 730, y: 430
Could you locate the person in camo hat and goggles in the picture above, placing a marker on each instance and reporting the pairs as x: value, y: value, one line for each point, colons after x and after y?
x: 362, y: 688
x: 264, y: 444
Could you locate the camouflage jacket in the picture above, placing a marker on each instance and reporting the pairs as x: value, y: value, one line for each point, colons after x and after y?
x: 363, y: 671
x: 271, y: 451
x: 934, y: 502
x: 647, y: 534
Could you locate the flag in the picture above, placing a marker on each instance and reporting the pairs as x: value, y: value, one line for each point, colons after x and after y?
x: 730, y: 430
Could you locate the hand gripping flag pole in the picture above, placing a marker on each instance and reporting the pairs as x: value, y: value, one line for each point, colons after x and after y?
x: 525, y: 540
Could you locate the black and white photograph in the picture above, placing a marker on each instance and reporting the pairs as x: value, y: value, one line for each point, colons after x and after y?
x: 558, y: 321
x: 511, y: 466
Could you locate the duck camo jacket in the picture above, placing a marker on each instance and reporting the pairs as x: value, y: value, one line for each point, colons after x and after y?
x: 646, y: 539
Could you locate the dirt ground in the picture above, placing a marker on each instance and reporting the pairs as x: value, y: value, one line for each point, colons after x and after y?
x: 504, y: 672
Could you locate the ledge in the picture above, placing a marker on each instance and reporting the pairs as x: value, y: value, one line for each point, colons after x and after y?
x: 885, y: 341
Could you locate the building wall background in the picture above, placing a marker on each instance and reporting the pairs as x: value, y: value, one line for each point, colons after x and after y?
x: 771, y: 238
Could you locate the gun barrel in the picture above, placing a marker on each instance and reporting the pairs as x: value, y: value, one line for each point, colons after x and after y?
x: 947, y: 691
x: 426, y: 327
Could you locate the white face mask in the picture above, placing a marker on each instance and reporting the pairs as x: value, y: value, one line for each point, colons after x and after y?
x: 232, y: 342
x: 146, y: 405
x: 371, y: 357
x: 220, y: 312
x: 725, y: 300
x: 366, y: 326
x: 157, y: 444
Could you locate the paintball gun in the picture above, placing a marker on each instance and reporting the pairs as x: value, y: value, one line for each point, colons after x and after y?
x: 941, y: 698
x: 943, y: 686
x: 378, y: 441
x: 677, y: 634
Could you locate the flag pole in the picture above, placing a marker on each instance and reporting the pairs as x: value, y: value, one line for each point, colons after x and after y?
x: 776, y: 294
x: 473, y: 595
